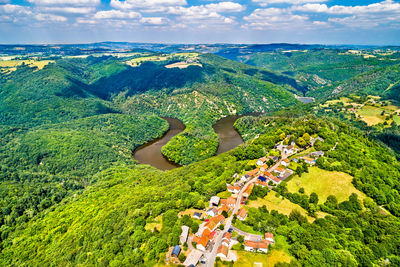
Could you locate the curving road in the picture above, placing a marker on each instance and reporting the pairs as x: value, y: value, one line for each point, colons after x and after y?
x: 228, y: 223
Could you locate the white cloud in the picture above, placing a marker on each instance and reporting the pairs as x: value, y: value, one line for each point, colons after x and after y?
x: 154, y: 21
x: 72, y: 10
x: 146, y: 4
x: 225, y: 7
x: 66, y: 2
x: 387, y: 6
x: 50, y: 17
x: 116, y: 14
x: 293, y: 2
x: 262, y: 19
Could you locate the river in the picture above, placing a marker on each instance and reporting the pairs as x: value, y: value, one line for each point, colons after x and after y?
x: 150, y: 153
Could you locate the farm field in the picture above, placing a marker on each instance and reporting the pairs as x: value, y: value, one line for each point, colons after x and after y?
x: 182, y: 65
x: 282, y: 205
x: 10, y: 65
x: 325, y: 183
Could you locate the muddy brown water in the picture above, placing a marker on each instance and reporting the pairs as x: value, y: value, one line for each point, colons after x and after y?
x: 150, y: 153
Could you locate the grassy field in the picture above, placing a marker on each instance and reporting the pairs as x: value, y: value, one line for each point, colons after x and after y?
x: 244, y: 227
x: 278, y: 253
x: 282, y: 205
x: 371, y: 115
x: 182, y: 65
x: 224, y: 194
x: 325, y: 183
x: 12, y: 64
x: 156, y: 224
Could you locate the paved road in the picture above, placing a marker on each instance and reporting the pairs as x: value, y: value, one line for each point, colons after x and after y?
x: 228, y: 222
x: 247, y: 236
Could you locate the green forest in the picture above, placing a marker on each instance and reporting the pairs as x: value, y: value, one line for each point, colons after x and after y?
x: 71, y: 192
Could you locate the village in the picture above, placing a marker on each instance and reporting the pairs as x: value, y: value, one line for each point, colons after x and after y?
x: 216, y: 234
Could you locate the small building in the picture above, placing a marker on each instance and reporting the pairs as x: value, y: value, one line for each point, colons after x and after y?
x: 279, y: 170
x: 222, y: 251
x: 214, y: 222
x: 285, y: 162
x: 275, y: 179
x: 262, y: 178
x: 214, y: 201
x: 274, y: 158
x: 233, y: 189
x: 223, y: 208
x: 193, y: 258
x: 269, y: 237
x: 226, y: 239
x: 212, y: 212
x: 289, y: 150
x: 308, y: 160
x: 176, y: 251
x: 286, y: 174
x: 197, y: 215
x: 230, y: 202
x: 262, y: 184
x: 248, y: 191
x: 184, y: 235
x: 253, y: 172
x: 261, y: 161
x: 242, y: 214
x: 317, y: 154
x: 261, y: 246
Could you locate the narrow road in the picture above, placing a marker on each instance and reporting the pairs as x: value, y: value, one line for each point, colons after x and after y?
x: 228, y: 221
x: 248, y: 236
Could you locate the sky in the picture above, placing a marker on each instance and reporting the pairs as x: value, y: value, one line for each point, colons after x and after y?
x: 369, y: 22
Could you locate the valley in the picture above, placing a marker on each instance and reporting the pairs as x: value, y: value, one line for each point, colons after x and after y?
x: 110, y: 152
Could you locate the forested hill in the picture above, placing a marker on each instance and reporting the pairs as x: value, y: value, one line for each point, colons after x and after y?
x: 199, y: 90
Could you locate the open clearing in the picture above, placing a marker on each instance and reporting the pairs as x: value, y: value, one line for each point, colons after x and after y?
x: 278, y: 253
x: 10, y: 65
x: 282, y: 205
x: 182, y: 65
x: 325, y: 183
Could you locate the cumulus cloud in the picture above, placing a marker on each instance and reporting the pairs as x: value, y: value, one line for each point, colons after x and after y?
x: 382, y: 7
x: 50, y: 17
x: 293, y: 2
x: 116, y: 14
x: 66, y: 2
x: 154, y: 21
x: 261, y: 19
x: 225, y: 7
x: 71, y: 10
x: 146, y: 4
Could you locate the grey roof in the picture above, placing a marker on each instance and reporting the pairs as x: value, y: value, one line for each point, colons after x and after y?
x: 176, y: 251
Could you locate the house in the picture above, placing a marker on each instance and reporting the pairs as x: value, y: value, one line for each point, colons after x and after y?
x: 176, y: 251
x: 274, y: 158
x: 230, y: 202
x: 193, y: 258
x: 214, y: 201
x: 262, y: 184
x: 269, y: 237
x: 262, y: 178
x: 289, y: 150
x: 233, y: 189
x: 275, y: 180
x: 203, y: 240
x: 212, y: 212
x: 223, y: 208
x: 214, y: 222
x: 197, y: 215
x: 308, y: 160
x: 222, y: 251
x: 226, y: 239
x: 285, y: 162
x: 260, y: 246
x: 286, y: 174
x: 247, y: 191
x: 264, y: 168
x: 279, y: 170
x: 261, y: 161
x: 317, y: 154
x: 184, y: 235
x: 253, y: 172
x: 242, y: 214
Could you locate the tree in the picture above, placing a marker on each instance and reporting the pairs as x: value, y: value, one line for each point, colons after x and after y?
x: 225, y: 214
x: 240, y: 238
x: 301, y: 142
x: 314, y: 198
x: 307, y: 138
x: 301, y: 190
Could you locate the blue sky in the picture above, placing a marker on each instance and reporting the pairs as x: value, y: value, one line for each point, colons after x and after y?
x: 201, y: 21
